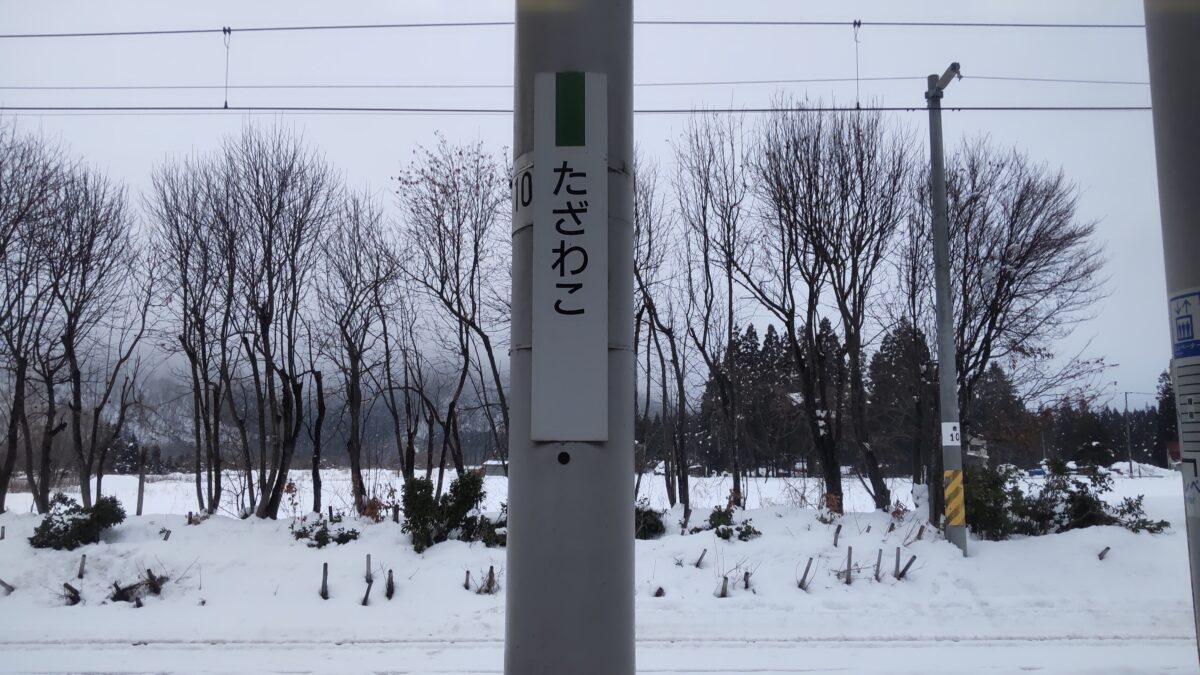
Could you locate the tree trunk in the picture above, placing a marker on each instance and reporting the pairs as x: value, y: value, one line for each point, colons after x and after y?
x: 354, y: 439
x: 16, y: 414
x: 316, y: 458
x: 141, y: 478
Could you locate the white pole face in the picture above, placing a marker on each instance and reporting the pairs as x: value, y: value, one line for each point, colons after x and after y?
x: 570, y: 535
x: 1173, y: 46
x: 570, y: 258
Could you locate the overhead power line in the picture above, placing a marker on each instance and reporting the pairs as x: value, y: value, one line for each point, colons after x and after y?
x: 156, y: 87
x: 506, y: 111
x: 649, y: 22
x: 692, y: 83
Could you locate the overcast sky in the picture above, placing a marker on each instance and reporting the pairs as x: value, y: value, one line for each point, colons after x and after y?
x: 1110, y: 155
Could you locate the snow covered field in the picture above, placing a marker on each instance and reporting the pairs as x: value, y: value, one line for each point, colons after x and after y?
x: 242, y: 595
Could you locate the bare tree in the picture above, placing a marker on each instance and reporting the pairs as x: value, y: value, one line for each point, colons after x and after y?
x: 665, y: 309
x: 357, y: 265
x: 32, y: 173
x: 196, y: 225
x: 103, y: 291
x: 865, y: 165
x: 1024, y: 271
x: 650, y: 253
x: 784, y: 273
x: 452, y: 198
x: 287, y: 195
x: 713, y: 193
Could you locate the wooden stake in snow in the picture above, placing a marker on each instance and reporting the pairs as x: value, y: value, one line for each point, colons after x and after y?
x: 701, y: 558
x: 331, y: 513
x: 878, y: 562
x: 804, y: 577
x: 324, y: 581
x: 368, y: 593
x: 660, y: 592
x: 746, y: 581
x: 467, y: 581
x: 82, y: 564
x: 489, y: 585
x: 724, y: 587
x: 369, y: 577
x: 390, y: 589
x: 166, y: 534
x: 896, y: 573
x: 836, y: 534
x: 8, y: 588
x: 72, y: 594
x: 906, y: 566
x: 920, y: 533
x: 849, y: 565
x: 1, y: 533
x: 891, y: 527
x: 1105, y: 552
x: 395, y: 513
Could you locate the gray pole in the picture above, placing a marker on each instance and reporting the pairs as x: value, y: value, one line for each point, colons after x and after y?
x: 1128, y: 436
x: 952, y: 475
x: 570, y: 577
x: 1173, y: 47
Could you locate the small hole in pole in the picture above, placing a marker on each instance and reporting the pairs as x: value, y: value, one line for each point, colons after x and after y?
x: 564, y: 458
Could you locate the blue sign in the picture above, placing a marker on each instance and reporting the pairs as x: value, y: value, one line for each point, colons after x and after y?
x: 1184, y: 310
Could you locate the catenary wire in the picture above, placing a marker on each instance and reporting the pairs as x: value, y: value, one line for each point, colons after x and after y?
x: 506, y: 111
x: 698, y: 83
x: 644, y: 22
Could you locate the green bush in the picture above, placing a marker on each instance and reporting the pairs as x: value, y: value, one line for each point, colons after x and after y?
x: 988, y: 495
x: 720, y: 521
x: 320, y: 536
x: 720, y: 518
x: 420, y: 512
x: 998, y: 508
x: 68, y: 525
x: 647, y: 523
x: 431, y: 521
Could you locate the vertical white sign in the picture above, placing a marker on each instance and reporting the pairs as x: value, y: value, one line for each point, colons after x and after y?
x: 1185, y: 370
x: 570, y: 258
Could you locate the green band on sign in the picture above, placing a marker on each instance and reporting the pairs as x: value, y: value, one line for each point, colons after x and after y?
x: 568, y: 109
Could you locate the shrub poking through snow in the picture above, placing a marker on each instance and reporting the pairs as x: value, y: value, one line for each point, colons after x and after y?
x: 431, y: 521
x: 647, y: 523
x: 720, y: 521
x: 319, y: 534
x: 68, y: 525
x: 997, y: 506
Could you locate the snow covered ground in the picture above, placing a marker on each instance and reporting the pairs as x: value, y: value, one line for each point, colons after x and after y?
x: 242, y: 595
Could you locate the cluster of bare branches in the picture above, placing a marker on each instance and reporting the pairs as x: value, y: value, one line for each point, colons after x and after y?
x: 295, y: 310
x: 280, y: 275
x: 75, y: 296
x: 819, y: 223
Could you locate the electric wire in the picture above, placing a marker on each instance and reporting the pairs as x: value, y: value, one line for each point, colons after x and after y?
x: 696, y: 83
x: 507, y: 111
x: 644, y: 22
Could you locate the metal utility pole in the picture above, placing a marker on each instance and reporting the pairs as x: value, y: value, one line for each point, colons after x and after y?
x: 952, y: 465
x: 1128, y: 436
x: 1173, y: 47
x: 570, y: 580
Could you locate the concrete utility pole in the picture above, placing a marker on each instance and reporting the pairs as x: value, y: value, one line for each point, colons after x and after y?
x: 952, y: 474
x: 570, y: 577
x: 1128, y: 436
x: 1173, y: 46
